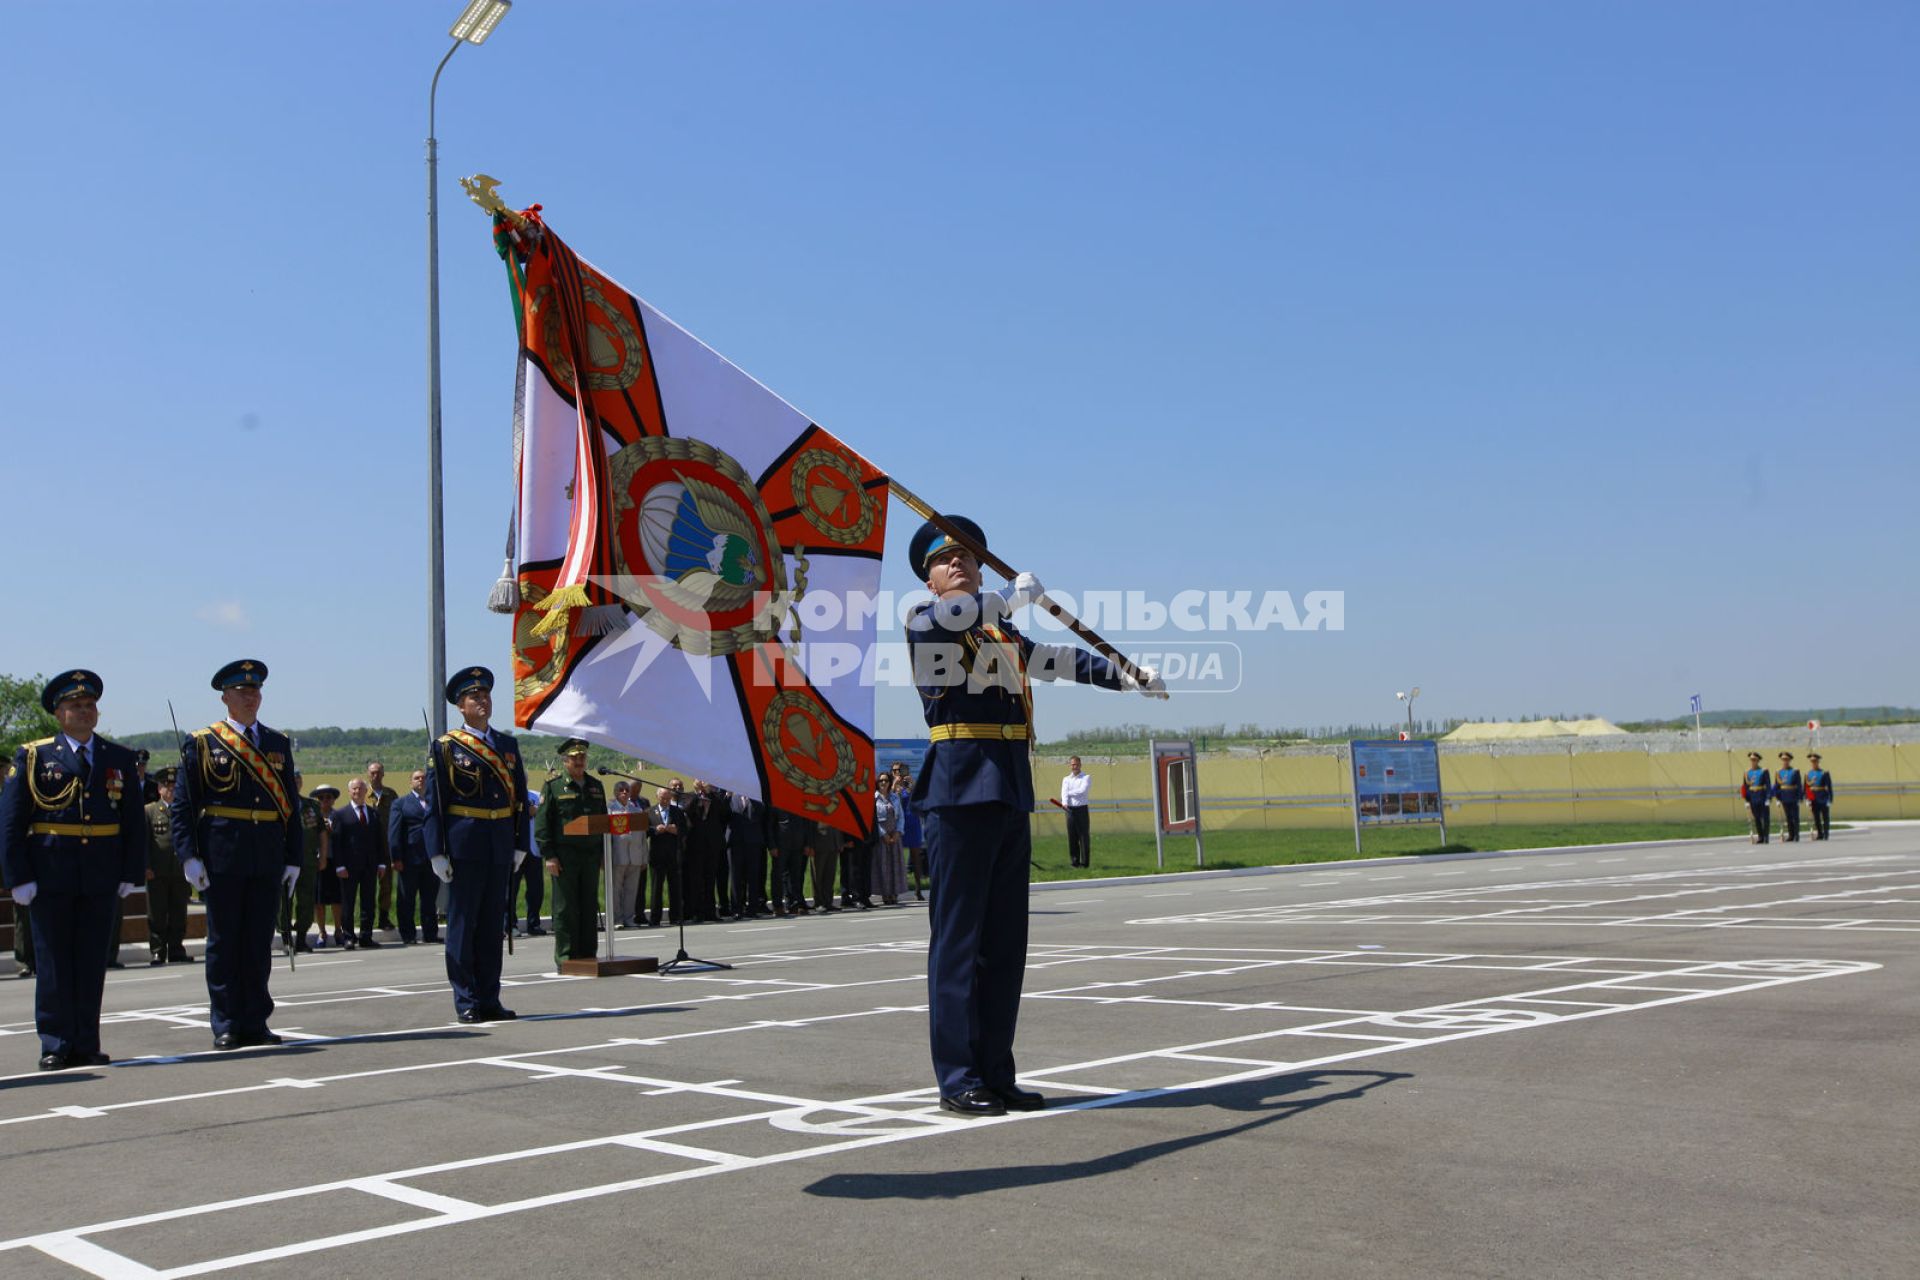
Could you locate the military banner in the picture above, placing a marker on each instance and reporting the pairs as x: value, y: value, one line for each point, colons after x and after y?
x: 675, y: 518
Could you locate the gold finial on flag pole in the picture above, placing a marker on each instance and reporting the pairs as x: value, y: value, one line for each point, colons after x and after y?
x: 481, y: 189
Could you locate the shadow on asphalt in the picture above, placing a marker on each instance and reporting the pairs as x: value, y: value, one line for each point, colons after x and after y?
x: 1273, y: 1099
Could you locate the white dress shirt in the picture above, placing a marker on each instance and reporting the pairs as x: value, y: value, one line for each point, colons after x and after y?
x: 1073, y: 791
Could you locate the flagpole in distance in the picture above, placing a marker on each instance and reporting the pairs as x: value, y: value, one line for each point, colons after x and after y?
x: 475, y: 24
x: 965, y: 540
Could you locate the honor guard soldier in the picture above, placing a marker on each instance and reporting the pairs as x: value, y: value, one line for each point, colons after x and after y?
x: 167, y: 887
x: 73, y: 843
x: 237, y: 832
x: 572, y: 861
x: 1819, y: 796
x: 975, y: 794
x: 1756, y: 788
x: 477, y: 833
x: 1789, y: 791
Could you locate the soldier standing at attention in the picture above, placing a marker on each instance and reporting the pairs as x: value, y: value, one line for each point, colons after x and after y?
x: 1819, y: 796
x: 1756, y: 788
x: 572, y: 861
x: 1788, y: 789
x: 72, y: 844
x: 975, y: 795
x: 380, y: 798
x: 166, y: 886
x: 237, y: 831
x: 296, y: 910
x: 478, y: 830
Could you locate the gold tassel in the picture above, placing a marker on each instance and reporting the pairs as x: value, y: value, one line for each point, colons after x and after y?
x: 558, y: 606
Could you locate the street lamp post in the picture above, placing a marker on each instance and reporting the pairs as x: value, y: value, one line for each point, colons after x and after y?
x: 475, y: 24
x: 1407, y: 696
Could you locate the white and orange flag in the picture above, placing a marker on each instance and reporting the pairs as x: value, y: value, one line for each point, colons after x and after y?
x: 678, y: 524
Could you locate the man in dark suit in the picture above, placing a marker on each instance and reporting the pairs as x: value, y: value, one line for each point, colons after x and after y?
x: 236, y: 831
x: 359, y: 858
x: 975, y: 793
x: 667, y: 825
x: 73, y: 842
x: 479, y: 830
x: 407, y: 846
x: 792, y: 843
x: 747, y: 843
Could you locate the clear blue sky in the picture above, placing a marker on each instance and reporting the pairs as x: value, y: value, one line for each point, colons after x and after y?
x: 1576, y: 343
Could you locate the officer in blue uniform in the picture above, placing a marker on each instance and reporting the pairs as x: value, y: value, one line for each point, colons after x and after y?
x: 73, y: 842
x: 236, y: 830
x: 975, y: 795
x: 1789, y: 791
x: 1756, y: 788
x: 1819, y: 796
x: 478, y: 824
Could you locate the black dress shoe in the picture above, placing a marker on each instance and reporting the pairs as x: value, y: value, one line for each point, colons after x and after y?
x: 227, y: 1041
x: 115, y: 964
x: 26, y: 971
x: 973, y: 1102
x: 303, y: 945
x: 367, y: 943
x: 471, y: 1016
x: 95, y: 1059
x: 1018, y: 1099
x: 156, y: 960
x: 264, y: 1036
x: 53, y: 1061
x: 498, y: 1013
x: 179, y: 957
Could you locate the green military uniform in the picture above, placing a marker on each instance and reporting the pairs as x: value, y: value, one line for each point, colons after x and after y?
x: 296, y: 912
x: 576, y: 889
x: 167, y: 890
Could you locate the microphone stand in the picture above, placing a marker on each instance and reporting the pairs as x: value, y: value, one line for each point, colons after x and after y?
x: 681, y: 962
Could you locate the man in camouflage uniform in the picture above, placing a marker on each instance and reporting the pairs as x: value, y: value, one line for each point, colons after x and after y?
x: 167, y: 887
x: 296, y: 912
x: 572, y: 861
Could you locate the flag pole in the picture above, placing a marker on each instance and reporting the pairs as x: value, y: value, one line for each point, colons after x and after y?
x: 965, y: 540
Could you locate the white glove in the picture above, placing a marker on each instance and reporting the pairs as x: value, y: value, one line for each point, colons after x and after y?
x: 23, y: 894
x: 289, y: 877
x: 1152, y: 687
x: 196, y: 873
x: 1025, y: 590
x: 519, y: 856
x: 125, y: 888
x: 443, y: 868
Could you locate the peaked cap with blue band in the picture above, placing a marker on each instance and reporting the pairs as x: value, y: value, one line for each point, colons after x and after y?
x: 464, y: 682
x: 241, y: 673
x: 77, y: 683
x: 929, y: 541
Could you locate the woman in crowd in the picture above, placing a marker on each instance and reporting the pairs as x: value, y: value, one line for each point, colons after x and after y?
x: 889, y: 875
x: 911, y: 835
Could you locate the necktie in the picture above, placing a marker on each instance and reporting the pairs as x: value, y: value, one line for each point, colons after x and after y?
x: 86, y: 763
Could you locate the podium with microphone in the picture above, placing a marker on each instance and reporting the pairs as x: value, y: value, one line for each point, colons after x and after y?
x: 607, y: 964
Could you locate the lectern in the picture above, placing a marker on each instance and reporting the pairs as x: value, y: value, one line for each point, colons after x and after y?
x: 606, y: 826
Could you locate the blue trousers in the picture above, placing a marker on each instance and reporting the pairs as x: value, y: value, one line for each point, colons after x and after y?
x: 417, y: 887
x: 977, y: 862
x: 242, y: 915
x: 476, y: 907
x: 70, y: 968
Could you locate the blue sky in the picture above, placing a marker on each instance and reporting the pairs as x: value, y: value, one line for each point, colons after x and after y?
x: 1574, y: 343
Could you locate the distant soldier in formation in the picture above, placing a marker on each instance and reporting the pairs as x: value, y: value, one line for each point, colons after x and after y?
x: 73, y: 843
x: 1789, y: 791
x: 1756, y: 788
x: 1819, y: 796
x: 478, y: 833
x: 296, y: 909
x: 572, y: 861
x: 167, y: 888
x: 237, y: 831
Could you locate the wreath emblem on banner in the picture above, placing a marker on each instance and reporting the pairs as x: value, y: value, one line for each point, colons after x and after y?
x: 616, y: 356
x: 827, y: 491
x: 697, y: 555
x: 808, y: 748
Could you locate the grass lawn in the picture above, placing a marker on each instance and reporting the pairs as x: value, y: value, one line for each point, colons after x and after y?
x: 1132, y: 854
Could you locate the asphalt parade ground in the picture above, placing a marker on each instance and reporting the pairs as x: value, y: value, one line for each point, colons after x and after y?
x: 1694, y: 1059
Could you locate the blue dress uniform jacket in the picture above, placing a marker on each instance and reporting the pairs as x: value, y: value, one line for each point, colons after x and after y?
x: 407, y: 830
x: 975, y: 796
x: 228, y: 816
x: 74, y: 838
x: 477, y: 816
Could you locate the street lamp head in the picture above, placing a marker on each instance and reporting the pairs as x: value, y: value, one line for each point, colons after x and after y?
x: 1415, y: 693
x: 1400, y: 697
x: 478, y: 19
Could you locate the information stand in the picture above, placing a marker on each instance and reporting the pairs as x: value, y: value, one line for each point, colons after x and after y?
x: 606, y: 826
